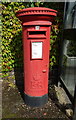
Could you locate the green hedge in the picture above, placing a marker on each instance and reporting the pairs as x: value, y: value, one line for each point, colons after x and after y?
x: 12, y: 52
x: 11, y: 36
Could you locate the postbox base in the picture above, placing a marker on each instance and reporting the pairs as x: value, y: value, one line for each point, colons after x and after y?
x: 35, y: 101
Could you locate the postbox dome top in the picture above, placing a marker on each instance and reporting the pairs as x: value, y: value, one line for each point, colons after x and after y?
x: 36, y: 11
x: 36, y: 14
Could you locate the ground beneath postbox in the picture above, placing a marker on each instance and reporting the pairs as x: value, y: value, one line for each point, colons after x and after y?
x: 13, y: 105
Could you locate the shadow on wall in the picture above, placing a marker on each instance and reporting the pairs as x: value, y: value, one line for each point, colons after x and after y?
x: 17, y: 53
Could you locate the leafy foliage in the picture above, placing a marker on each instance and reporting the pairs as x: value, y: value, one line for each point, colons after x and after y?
x: 11, y: 36
x: 12, y: 53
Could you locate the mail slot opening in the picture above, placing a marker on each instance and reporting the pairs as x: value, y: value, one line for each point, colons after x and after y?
x: 36, y: 34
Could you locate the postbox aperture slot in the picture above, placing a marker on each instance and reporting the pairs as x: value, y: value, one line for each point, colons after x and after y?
x: 37, y: 34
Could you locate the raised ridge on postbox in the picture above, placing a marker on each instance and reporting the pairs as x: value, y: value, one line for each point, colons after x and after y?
x: 36, y: 10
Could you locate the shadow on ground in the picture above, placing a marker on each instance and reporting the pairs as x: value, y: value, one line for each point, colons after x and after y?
x: 16, y: 48
x: 14, y: 106
x: 19, y: 80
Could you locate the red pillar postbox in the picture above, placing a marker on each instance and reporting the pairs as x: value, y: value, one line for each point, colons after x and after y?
x: 36, y: 24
